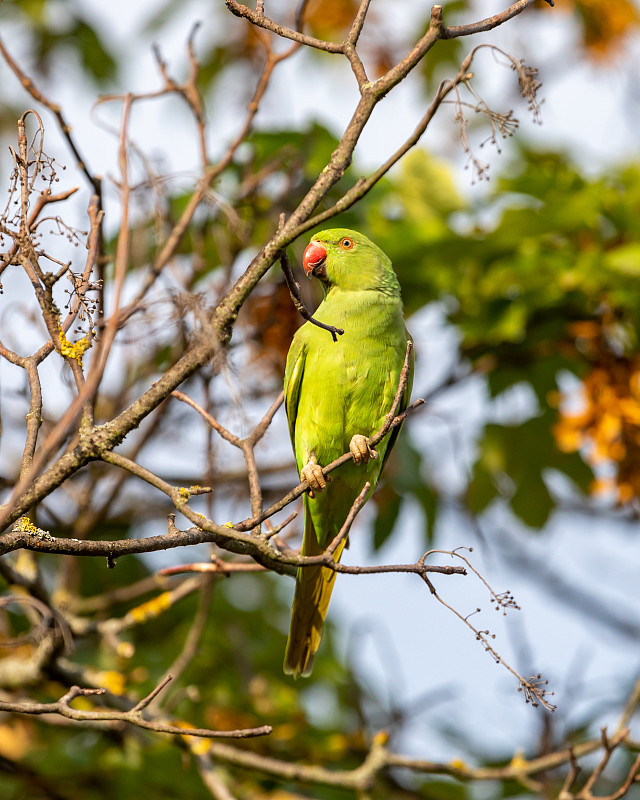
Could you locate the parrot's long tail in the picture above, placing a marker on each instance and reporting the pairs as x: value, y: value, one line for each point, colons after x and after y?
x: 310, y: 604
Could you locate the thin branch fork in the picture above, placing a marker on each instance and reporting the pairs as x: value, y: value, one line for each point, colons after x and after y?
x: 133, y: 717
x: 609, y: 745
x: 379, y: 759
x: 246, y: 444
x: 210, y: 173
x: 437, y: 30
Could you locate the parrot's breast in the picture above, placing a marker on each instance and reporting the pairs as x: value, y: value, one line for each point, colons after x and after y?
x: 348, y: 386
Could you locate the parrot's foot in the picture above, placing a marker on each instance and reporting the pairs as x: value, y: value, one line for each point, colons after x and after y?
x: 312, y: 473
x: 361, y: 450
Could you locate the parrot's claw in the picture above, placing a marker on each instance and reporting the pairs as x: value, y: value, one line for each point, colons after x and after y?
x: 312, y: 473
x: 361, y: 450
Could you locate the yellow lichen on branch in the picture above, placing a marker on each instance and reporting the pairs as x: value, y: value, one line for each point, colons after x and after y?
x: 24, y: 525
x: 74, y: 350
x: 152, y: 608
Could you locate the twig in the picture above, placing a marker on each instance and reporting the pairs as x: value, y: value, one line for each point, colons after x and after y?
x: 274, y: 530
x: 294, y: 291
x: 346, y: 526
x: 210, y: 775
x: 609, y: 746
x: 112, y: 325
x: 217, y: 427
x: 66, y: 129
x: 246, y: 444
x: 34, y: 416
x: 178, y: 494
x: 402, y: 386
x: 133, y: 717
x: 216, y: 566
x: 153, y: 694
x: 454, y: 31
x: 379, y: 760
x: 532, y: 686
x: 189, y: 90
x: 281, y: 30
x: 630, y: 707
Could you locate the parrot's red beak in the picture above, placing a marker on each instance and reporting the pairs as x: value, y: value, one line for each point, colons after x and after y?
x: 314, y: 260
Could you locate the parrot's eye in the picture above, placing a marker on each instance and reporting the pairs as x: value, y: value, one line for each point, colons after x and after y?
x: 347, y: 244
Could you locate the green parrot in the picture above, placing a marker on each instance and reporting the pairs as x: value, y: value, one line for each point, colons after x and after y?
x: 337, y: 394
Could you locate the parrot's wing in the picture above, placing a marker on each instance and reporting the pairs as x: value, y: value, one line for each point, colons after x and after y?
x: 404, y: 401
x: 292, y: 382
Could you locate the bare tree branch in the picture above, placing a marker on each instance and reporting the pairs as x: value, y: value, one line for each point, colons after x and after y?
x: 65, y: 128
x: 133, y: 717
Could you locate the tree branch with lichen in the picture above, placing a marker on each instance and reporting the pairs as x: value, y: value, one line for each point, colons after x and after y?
x: 107, y: 436
x: 80, y: 450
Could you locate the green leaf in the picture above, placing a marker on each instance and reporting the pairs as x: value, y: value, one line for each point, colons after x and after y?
x: 481, y: 489
x: 531, y: 501
x: 512, y: 462
x: 429, y: 500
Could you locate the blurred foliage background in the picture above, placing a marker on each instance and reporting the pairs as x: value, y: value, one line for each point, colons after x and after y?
x: 537, y: 277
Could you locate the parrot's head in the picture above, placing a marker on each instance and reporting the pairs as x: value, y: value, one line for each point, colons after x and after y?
x: 346, y: 259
